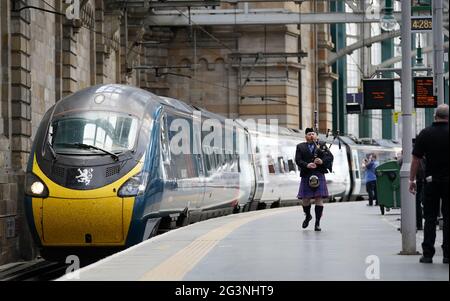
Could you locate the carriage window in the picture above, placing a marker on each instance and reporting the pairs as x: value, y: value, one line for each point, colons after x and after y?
x: 183, y: 165
x: 212, y: 159
x: 164, y: 142
x: 291, y: 165
x: 281, y: 164
x: 207, y: 162
x: 271, y: 164
x: 218, y: 161
x: 237, y: 163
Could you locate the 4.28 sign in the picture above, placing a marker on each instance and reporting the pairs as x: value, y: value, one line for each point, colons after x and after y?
x: 420, y: 24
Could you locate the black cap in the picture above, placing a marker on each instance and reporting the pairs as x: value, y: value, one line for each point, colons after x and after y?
x: 308, y: 130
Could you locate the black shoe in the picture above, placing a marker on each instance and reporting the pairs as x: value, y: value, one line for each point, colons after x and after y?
x: 317, y: 228
x: 306, y: 221
x: 445, y: 260
x: 424, y: 259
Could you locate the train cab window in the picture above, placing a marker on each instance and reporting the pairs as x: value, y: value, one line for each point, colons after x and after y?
x: 111, y: 131
x: 271, y: 169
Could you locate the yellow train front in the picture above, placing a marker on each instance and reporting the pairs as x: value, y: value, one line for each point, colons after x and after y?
x: 87, y: 174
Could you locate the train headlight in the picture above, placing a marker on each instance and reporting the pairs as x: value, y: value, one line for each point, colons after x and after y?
x: 35, y: 186
x: 134, y: 186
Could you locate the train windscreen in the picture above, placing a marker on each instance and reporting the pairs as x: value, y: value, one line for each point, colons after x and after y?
x: 110, y: 131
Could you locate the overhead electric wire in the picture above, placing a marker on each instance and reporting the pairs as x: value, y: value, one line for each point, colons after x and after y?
x: 130, y: 49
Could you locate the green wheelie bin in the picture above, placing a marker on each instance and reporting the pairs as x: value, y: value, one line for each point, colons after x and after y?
x: 388, y: 185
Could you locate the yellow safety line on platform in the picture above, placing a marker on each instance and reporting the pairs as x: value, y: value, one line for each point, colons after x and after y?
x: 177, y: 266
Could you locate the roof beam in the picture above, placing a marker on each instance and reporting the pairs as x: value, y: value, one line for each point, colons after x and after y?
x: 254, y: 17
x: 361, y: 43
x: 397, y: 59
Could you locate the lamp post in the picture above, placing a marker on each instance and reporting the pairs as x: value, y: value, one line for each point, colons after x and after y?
x: 408, y: 207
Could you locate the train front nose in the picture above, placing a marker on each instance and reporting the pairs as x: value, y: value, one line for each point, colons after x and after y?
x: 75, y: 217
x: 82, y: 221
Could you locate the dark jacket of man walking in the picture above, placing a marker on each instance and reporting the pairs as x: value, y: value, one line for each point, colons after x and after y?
x: 314, y: 160
x: 432, y: 143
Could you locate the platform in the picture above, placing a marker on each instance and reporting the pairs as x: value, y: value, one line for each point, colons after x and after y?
x: 269, y: 245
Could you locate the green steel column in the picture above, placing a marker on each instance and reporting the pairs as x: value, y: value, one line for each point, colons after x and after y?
x: 387, y: 52
x: 429, y: 116
x: 365, y: 124
x: 424, y: 6
x: 340, y: 68
x: 429, y: 113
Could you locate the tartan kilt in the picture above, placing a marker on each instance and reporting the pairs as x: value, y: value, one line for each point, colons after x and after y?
x: 306, y: 192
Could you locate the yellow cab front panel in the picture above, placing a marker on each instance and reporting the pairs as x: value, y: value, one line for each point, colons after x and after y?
x: 96, y: 217
x: 80, y: 221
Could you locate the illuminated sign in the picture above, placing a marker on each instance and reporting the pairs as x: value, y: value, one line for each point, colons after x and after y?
x: 421, y: 23
x: 423, y: 93
x: 378, y: 94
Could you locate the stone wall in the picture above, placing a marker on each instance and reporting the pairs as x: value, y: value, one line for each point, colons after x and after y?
x: 42, y: 43
x: 43, y: 57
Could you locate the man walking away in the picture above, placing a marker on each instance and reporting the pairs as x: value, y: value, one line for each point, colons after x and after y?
x: 432, y: 143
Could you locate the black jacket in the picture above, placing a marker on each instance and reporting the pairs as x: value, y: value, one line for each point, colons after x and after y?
x: 303, y: 157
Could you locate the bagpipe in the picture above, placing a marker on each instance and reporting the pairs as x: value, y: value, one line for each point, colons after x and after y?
x: 323, y: 152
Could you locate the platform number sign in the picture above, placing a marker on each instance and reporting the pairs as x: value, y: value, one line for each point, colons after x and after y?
x: 378, y: 94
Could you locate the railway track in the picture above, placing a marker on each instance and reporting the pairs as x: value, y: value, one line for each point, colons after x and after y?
x: 37, y: 270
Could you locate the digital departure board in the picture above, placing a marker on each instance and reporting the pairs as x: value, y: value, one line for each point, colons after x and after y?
x: 378, y: 94
x: 423, y: 93
x: 419, y: 24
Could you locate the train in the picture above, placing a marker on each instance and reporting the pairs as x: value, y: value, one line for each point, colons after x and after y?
x: 111, y: 166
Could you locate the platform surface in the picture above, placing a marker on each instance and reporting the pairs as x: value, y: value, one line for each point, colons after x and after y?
x: 356, y: 243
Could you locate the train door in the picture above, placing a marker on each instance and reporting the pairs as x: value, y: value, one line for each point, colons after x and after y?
x: 178, y: 167
x: 255, y: 153
x: 253, y: 169
x: 170, y: 182
x: 199, y: 158
x: 339, y: 180
x: 356, y: 171
x: 247, y: 172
